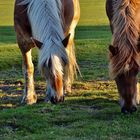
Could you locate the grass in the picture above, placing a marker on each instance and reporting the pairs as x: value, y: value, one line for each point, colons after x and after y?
x: 91, y: 112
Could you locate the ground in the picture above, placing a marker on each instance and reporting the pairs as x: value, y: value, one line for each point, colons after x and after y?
x: 90, y: 112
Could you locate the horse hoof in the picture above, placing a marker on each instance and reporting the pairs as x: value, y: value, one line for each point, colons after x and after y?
x: 29, y: 101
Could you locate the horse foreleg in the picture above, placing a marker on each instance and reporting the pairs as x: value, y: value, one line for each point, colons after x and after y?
x: 70, y: 68
x: 30, y: 96
x: 26, y: 45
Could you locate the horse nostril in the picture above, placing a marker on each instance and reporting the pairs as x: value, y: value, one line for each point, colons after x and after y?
x: 133, y: 109
x: 54, y: 100
x: 124, y: 110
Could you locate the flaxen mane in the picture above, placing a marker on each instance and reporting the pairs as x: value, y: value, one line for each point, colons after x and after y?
x: 47, y: 27
x: 125, y: 37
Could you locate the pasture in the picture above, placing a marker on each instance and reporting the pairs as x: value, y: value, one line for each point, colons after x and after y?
x: 90, y: 112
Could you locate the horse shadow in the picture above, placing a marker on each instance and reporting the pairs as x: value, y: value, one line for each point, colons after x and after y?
x: 105, y: 109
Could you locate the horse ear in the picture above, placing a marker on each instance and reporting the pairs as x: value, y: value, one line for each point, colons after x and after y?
x: 66, y: 40
x: 37, y: 43
x: 113, y: 50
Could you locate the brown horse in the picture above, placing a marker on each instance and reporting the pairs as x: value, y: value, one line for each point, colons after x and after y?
x: 124, y: 17
x: 48, y: 25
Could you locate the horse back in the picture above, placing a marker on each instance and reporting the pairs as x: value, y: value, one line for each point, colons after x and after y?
x: 21, y: 17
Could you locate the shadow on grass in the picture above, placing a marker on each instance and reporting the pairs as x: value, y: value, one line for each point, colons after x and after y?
x: 99, y: 108
x: 11, y: 94
x: 7, y: 33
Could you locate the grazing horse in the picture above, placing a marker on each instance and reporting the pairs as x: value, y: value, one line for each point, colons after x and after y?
x: 124, y: 17
x: 50, y: 26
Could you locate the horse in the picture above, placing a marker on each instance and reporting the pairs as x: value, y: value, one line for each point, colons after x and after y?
x: 50, y: 26
x: 124, y: 57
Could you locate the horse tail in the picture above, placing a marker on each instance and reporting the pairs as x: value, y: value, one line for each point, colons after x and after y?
x: 125, y: 37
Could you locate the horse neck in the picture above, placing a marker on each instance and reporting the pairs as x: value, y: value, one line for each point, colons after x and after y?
x: 47, y: 27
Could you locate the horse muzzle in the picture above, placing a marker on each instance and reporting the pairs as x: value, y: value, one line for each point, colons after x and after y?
x: 124, y: 110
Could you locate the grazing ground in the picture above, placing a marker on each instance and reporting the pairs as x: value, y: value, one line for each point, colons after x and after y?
x: 90, y: 112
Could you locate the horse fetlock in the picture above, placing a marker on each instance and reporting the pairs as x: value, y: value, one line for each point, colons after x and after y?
x: 32, y: 99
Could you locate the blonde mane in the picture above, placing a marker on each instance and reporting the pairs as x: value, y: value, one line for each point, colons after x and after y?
x: 47, y: 27
x: 125, y: 37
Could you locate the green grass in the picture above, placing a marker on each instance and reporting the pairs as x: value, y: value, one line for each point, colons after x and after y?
x: 91, y: 112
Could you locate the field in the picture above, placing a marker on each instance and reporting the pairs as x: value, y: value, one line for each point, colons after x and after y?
x: 90, y: 112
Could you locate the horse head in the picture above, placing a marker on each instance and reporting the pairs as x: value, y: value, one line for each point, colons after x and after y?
x: 127, y: 84
x: 52, y: 63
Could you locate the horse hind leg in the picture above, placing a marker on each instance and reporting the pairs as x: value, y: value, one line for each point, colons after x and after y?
x: 29, y: 96
x: 71, y: 68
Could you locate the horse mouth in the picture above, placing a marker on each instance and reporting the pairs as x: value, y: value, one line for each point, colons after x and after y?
x: 55, y: 100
